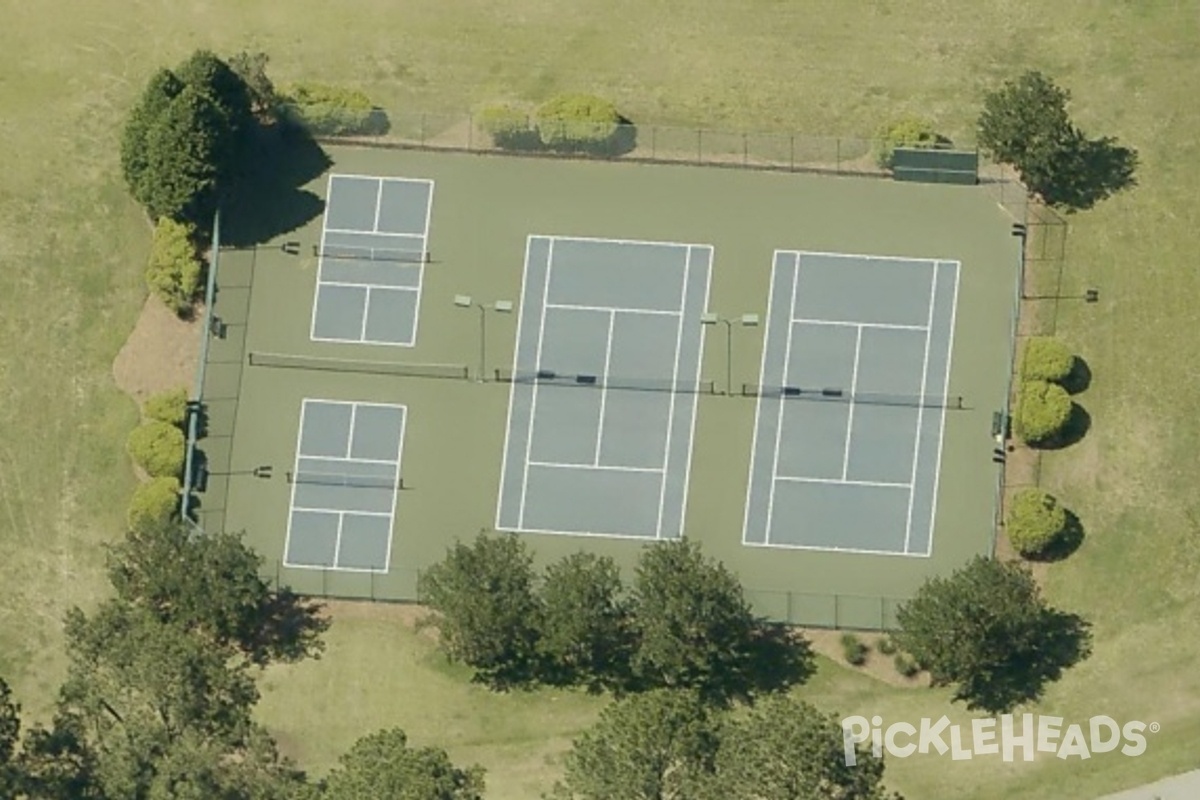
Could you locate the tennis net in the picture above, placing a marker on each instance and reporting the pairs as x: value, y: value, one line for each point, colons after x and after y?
x: 356, y: 481
x: 584, y: 381
x: 352, y: 253
x: 835, y: 395
x: 403, y: 368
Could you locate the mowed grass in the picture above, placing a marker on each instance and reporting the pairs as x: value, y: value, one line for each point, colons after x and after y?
x: 72, y: 248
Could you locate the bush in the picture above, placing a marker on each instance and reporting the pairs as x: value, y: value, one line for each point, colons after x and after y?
x: 332, y: 111
x: 904, y: 132
x: 886, y: 645
x: 1043, y: 410
x: 1046, y: 359
x: 509, y: 127
x: 158, y: 448
x: 906, y: 665
x: 173, y: 274
x: 579, y: 123
x: 1035, y: 520
x: 154, y: 503
x: 169, y: 407
x: 853, y: 649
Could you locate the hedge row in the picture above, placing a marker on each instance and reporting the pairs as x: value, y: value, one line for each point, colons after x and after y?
x: 154, y: 503
x: 325, y: 110
x: 1035, y: 521
x: 1044, y: 405
x: 159, y: 447
x: 906, y: 132
x: 173, y: 274
x: 572, y: 123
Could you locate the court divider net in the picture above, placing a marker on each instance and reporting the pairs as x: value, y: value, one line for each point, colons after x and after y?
x: 835, y: 395
x: 402, y: 368
x: 586, y: 381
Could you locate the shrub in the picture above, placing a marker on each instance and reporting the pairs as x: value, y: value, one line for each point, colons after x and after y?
x: 1046, y: 359
x: 169, y: 407
x: 332, y: 111
x: 509, y: 127
x: 173, y: 274
x: 853, y: 649
x: 906, y: 665
x: 1043, y: 410
x: 579, y: 122
x: 154, y: 503
x: 903, y: 132
x: 1035, y: 520
x: 886, y: 645
x: 158, y: 448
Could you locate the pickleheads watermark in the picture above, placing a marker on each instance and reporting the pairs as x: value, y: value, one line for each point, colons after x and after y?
x: 1005, y: 737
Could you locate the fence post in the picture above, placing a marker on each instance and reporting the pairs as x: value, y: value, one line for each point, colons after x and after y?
x: 838, y: 151
x: 882, y: 626
x: 422, y: 132
x: 745, y: 149
x: 837, y: 616
x: 470, y: 130
x: 792, y: 153
x: 653, y: 142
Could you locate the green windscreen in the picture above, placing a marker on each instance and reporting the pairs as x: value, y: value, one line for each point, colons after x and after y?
x: 936, y: 166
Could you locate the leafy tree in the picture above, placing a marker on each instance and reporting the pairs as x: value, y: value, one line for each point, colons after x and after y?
x: 381, y: 766
x: 198, y: 768
x: 327, y: 110
x: 987, y: 631
x: 584, y: 630
x: 1043, y: 411
x: 692, y: 623
x: 1046, y: 358
x: 1025, y: 123
x: 485, y: 607
x: 57, y: 763
x: 1035, y: 521
x: 252, y: 69
x: 579, y: 122
x: 169, y: 407
x: 659, y: 745
x: 160, y: 92
x: 158, y: 448
x: 210, y: 586
x: 10, y: 730
x: 786, y: 749
x: 154, y: 505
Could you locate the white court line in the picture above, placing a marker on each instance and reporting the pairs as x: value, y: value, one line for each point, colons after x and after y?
x: 606, y: 309
x: 687, y: 469
x: 758, y: 405
x: 787, y: 358
x: 361, y: 341
x: 612, y: 322
x: 370, y: 286
x: 859, y: 256
x: 512, y: 387
x: 324, y: 510
x: 378, y: 206
x: 666, y: 462
x: 844, y: 482
x: 603, y: 467
x: 387, y: 556
x: 421, y: 267
x: 921, y: 407
x: 337, y: 539
x: 937, y: 469
x: 362, y: 332
x: 346, y: 459
x: 641, y: 242
x: 357, y: 232
x: 589, y: 534
x: 850, y: 413
x: 312, y: 327
x: 846, y: 324
x: 331, y: 568
x: 820, y: 549
x: 287, y: 537
x: 537, y: 361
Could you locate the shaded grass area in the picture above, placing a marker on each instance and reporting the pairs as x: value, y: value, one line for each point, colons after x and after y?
x: 73, y: 247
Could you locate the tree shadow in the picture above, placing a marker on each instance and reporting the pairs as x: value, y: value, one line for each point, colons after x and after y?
x: 624, y: 139
x: 774, y: 659
x: 1066, y: 543
x: 1090, y: 170
x: 271, y: 199
x: 1079, y: 378
x: 1078, y: 424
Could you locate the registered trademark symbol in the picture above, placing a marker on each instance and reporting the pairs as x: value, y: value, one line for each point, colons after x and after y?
x: 1155, y: 727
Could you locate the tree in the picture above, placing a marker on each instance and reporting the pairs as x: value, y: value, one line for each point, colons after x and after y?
x: 10, y: 730
x: 658, y: 745
x: 691, y: 621
x: 485, y: 608
x: 1043, y: 412
x: 161, y: 90
x: 1035, y: 522
x: 1025, y: 123
x: 986, y: 630
x: 786, y: 749
x: 584, y: 630
x: 252, y: 69
x: 57, y: 764
x: 210, y: 586
x: 381, y: 766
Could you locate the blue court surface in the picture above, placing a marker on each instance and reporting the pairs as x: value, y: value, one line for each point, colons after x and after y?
x: 374, y: 245
x: 852, y: 403
x: 605, y: 383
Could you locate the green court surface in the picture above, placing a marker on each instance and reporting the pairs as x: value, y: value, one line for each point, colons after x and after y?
x: 834, y: 455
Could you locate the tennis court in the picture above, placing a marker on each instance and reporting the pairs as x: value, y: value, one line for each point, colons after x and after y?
x: 599, y: 439
x: 852, y: 403
x: 374, y: 245
x: 344, y: 485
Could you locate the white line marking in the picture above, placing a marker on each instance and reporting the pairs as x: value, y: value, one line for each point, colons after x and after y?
x: 758, y: 405
x: 843, y: 482
x: 362, y: 333
x: 662, y: 489
x: 612, y: 322
x: 687, y: 470
x: 421, y: 276
x: 856, y: 551
x: 787, y: 358
x: 937, y: 469
x: 606, y: 309
x: 324, y: 510
x: 387, y: 557
x: 332, y: 568
x: 370, y: 285
x: 850, y: 412
x: 512, y: 387
x: 639, y: 242
x: 361, y: 341
x: 356, y: 232
x: 921, y: 408
x: 846, y: 324
x: 592, y: 535
x: 603, y: 467
x: 312, y: 327
x: 287, y: 538
x: 378, y: 206
x: 351, y: 460
x: 537, y: 361
x: 859, y: 256
x: 337, y: 539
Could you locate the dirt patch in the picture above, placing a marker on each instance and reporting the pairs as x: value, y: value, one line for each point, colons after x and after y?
x: 878, y: 666
x: 407, y: 614
x: 160, y: 354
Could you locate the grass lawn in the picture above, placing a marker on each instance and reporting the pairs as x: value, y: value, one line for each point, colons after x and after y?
x: 73, y: 247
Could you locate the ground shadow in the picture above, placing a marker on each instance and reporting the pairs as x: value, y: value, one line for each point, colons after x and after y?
x: 1078, y: 424
x: 1088, y: 171
x: 1079, y: 378
x: 271, y: 200
x: 1066, y: 543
